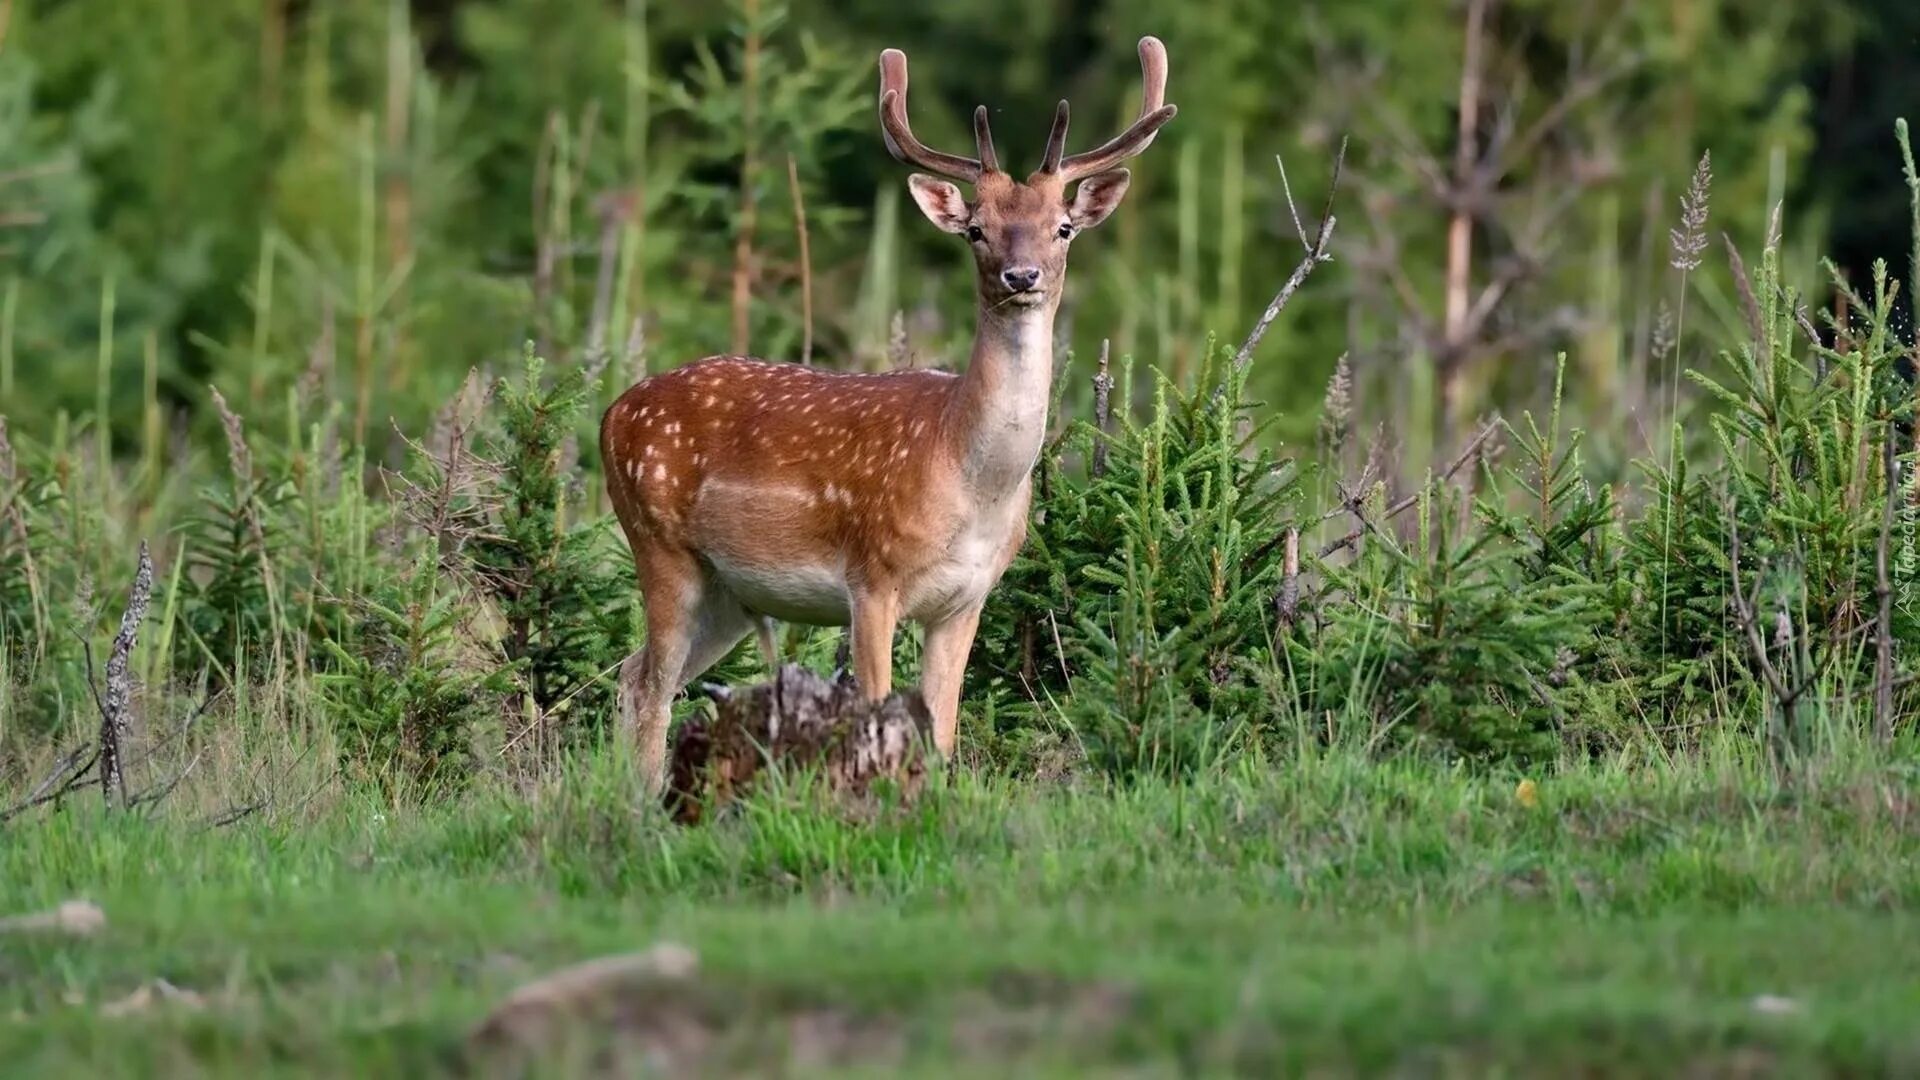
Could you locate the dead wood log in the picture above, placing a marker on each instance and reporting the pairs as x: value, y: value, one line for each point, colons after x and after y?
x: 798, y: 721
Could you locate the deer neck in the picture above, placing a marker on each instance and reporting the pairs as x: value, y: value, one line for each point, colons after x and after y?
x: 998, y: 418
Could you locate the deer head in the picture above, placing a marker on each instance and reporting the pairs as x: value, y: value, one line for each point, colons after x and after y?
x: 1020, y: 231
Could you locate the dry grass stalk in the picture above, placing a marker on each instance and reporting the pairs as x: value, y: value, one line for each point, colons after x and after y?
x: 806, y: 261
x: 1749, y: 306
x: 240, y: 459
x: 15, y: 522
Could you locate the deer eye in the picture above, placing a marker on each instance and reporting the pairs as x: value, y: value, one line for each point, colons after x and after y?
x: 1066, y: 230
x: 975, y: 233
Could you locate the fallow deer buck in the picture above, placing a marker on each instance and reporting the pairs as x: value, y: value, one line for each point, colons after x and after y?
x: 752, y: 491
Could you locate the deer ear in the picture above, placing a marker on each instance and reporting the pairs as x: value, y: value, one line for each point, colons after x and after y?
x: 941, y: 202
x: 1098, y: 196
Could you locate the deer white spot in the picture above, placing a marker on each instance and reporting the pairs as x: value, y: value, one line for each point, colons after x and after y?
x: 673, y: 427
x: 647, y: 451
x: 707, y: 401
x: 659, y: 472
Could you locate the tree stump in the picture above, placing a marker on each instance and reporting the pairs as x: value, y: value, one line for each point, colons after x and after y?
x: 798, y: 721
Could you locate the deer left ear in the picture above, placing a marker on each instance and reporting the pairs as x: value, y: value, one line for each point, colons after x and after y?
x: 1097, y: 197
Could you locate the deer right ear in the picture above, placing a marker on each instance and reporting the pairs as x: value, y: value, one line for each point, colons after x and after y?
x: 941, y: 202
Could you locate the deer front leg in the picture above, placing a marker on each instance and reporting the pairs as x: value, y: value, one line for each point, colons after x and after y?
x: 876, y: 612
x: 944, y: 667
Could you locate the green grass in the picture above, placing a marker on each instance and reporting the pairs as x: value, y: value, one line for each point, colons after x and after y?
x: 1324, y: 916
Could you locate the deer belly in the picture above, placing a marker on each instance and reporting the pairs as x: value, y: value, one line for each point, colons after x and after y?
x: 793, y: 591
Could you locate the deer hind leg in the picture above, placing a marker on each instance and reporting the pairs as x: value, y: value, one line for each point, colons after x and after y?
x: 691, y: 625
x: 876, y: 613
x: 943, y: 667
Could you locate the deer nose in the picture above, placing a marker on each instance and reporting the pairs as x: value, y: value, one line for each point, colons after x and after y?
x: 1021, y: 278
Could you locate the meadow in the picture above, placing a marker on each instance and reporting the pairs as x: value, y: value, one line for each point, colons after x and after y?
x: 1527, y: 695
x: 1325, y: 915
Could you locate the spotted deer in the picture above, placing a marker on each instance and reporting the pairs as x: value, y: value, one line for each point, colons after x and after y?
x: 753, y: 491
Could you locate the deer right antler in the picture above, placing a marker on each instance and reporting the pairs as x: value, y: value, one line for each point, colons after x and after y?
x: 899, y: 134
x: 1154, y: 113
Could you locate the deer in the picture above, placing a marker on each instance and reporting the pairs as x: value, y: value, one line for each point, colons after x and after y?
x: 752, y: 491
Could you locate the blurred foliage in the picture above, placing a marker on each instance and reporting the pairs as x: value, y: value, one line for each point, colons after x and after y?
x: 380, y: 194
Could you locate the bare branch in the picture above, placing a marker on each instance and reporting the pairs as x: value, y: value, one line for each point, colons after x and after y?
x: 1316, y: 254
x: 1352, y: 501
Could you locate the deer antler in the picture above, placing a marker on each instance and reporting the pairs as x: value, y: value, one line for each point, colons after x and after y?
x: 1154, y: 113
x: 898, y: 133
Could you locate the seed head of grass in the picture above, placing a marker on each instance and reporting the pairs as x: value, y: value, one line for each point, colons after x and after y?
x: 1690, y: 239
x: 239, y: 457
x: 1336, y: 412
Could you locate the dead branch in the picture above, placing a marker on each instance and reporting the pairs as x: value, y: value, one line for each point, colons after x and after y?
x: 1354, y: 501
x: 1316, y: 254
x: 614, y: 210
x: 1786, y: 698
x: 114, y: 709
x: 1102, y: 410
x: 68, y: 775
x: 1287, y: 603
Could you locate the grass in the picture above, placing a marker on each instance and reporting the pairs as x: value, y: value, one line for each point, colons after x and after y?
x: 1328, y: 915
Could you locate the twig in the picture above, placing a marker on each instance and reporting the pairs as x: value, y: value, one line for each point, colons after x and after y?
x: 153, y: 795
x: 234, y: 813
x: 1316, y: 254
x: 806, y: 262
x: 54, y: 787
x: 1351, y: 501
x: 1743, y: 610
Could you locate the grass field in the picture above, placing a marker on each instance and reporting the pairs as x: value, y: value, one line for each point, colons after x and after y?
x: 1325, y: 916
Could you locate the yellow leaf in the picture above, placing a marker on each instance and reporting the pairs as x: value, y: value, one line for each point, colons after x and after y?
x: 1528, y: 794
